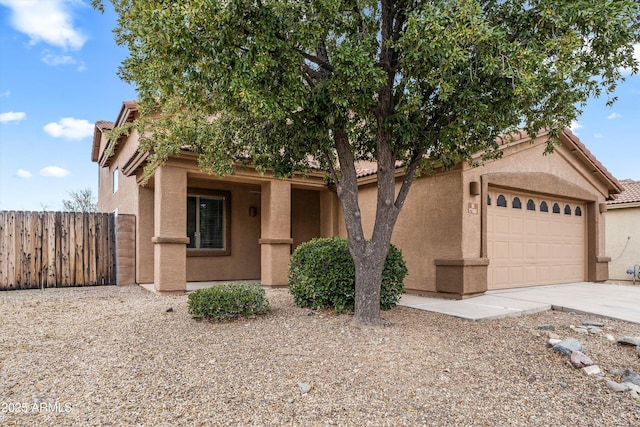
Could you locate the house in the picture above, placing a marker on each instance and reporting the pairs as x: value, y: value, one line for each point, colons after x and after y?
x: 623, y: 232
x: 525, y: 219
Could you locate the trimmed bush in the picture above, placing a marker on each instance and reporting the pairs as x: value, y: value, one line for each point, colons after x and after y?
x: 322, y: 275
x: 228, y: 301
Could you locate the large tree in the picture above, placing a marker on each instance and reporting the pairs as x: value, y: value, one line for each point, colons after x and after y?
x: 287, y: 85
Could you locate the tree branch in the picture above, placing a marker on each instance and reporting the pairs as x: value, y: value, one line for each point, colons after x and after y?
x: 316, y: 60
x: 408, y: 178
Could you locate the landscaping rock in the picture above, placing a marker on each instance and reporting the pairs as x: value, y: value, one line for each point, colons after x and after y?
x: 632, y: 387
x: 638, y: 350
x: 580, y: 360
x: 630, y: 377
x: 610, y: 337
x: 581, y: 330
x: 617, y: 387
x: 592, y: 370
x: 593, y: 323
x: 629, y: 340
x: 547, y: 328
x: 304, y: 388
x: 567, y: 346
x: 594, y: 330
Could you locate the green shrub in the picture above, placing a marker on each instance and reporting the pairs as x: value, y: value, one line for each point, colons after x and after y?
x: 322, y: 275
x: 228, y: 301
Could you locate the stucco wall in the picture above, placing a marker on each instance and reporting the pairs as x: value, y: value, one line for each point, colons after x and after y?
x: 125, y: 199
x: 305, y: 215
x: 623, y: 241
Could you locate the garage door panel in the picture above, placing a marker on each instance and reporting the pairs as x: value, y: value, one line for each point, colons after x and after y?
x: 516, y: 251
x: 531, y: 247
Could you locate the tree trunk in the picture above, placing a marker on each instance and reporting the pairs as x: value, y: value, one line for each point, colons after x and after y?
x: 369, y: 268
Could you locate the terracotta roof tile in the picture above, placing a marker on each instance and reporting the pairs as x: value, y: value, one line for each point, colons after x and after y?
x: 630, y: 193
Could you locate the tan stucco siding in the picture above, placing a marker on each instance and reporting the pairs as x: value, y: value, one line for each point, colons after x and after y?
x: 125, y: 199
x: 623, y: 241
x: 145, y: 230
x: 305, y: 215
x: 430, y: 227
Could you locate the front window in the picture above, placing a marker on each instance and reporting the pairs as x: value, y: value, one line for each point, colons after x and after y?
x: 207, y: 222
x: 115, y: 180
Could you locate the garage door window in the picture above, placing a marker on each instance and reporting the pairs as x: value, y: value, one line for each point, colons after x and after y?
x: 502, y: 201
x: 516, y: 203
x: 531, y: 205
x: 567, y: 210
x: 556, y: 208
x: 544, y: 207
x: 578, y: 211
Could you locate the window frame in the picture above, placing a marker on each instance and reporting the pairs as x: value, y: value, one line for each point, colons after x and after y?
x: 226, y: 211
x: 115, y: 180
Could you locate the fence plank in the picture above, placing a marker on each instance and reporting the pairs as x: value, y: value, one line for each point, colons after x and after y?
x: 78, y: 248
x: 50, y: 248
x: 18, y: 231
x: 3, y: 249
x: 91, y: 254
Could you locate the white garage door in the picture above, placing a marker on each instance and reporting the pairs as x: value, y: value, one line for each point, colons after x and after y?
x: 534, y: 240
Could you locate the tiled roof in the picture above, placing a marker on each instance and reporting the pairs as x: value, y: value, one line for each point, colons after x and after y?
x: 630, y: 193
x: 104, y: 125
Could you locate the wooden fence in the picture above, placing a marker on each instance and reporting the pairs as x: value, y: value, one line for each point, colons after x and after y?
x: 56, y: 249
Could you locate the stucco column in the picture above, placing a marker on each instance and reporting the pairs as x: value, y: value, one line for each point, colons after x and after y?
x: 275, y: 240
x: 170, y: 230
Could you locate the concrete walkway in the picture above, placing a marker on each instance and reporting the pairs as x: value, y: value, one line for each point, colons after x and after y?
x: 621, y: 302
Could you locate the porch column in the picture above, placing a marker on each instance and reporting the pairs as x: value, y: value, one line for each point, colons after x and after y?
x: 275, y: 241
x: 170, y: 230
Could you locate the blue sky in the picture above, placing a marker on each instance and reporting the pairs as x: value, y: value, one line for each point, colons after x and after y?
x: 58, y: 64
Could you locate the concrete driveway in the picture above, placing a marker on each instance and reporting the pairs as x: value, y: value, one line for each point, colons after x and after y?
x: 620, y: 302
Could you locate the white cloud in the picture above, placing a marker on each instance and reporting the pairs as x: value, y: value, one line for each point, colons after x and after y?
x: 24, y: 174
x: 48, y: 21
x: 70, y: 128
x: 12, y: 116
x: 575, y: 126
x: 6, y: 94
x: 597, y: 135
x: 54, y: 171
x: 55, y: 60
x: 613, y: 116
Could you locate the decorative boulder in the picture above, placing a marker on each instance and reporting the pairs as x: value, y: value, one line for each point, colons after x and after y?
x: 568, y: 346
x: 579, y: 360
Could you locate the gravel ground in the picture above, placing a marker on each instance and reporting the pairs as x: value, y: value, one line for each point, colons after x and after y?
x: 115, y: 356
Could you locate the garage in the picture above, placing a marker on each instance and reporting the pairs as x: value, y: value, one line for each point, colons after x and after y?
x: 534, y: 239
